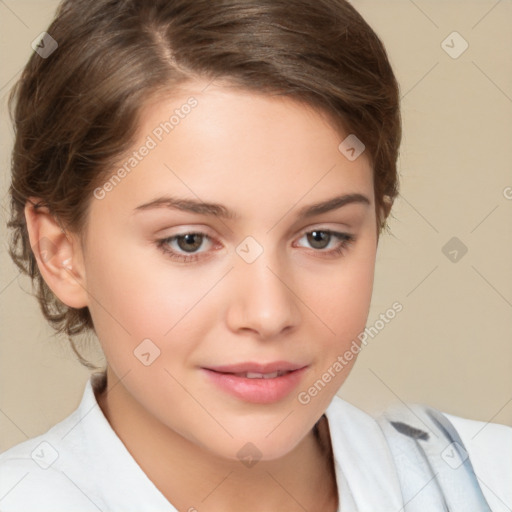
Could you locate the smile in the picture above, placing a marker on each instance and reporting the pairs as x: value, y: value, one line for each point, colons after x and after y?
x: 256, y: 383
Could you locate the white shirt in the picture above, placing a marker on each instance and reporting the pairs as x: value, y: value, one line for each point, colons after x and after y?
x: 81, y: 465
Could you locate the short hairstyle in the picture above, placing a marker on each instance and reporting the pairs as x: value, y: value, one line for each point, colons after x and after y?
x: 77, y: 111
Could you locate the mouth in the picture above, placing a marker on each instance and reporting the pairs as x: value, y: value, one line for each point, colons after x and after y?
x: 255, y: 382
x: 257, y: 375
x: 273, y: 367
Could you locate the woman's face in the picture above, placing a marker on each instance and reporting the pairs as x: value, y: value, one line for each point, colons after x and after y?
x: 218, y: 294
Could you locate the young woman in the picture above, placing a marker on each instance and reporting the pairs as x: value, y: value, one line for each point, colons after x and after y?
x: 203, y: 184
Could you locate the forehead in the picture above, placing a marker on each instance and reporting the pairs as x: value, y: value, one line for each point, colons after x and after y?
x: 241, y: 147
x: 233, y: 111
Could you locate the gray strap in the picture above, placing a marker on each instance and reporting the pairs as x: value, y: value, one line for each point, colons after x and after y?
x: 433, y: 466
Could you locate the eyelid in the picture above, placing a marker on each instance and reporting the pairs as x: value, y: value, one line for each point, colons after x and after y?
x: 342, y: 236
x: 210, y: 239
x: 339, y: 228
x: 183, y: 229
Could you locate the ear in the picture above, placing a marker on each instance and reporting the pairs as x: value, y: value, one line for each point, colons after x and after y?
x: 58, y: 254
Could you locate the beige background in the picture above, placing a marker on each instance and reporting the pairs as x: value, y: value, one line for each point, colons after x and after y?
x: 451, y: 346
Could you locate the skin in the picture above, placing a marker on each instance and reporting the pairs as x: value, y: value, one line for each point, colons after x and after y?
x: 264, y: 158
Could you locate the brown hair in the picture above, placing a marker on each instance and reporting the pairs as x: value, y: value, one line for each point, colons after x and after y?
x: 76, y: 111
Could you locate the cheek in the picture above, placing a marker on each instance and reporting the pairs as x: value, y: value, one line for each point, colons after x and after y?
x: 136, y: 289
x: 341, y: 296
x: 143, y: 297
x: 343, y: 309
x: 342, y: 303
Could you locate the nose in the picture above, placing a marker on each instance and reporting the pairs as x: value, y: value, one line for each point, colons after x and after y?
x: 262, y: 299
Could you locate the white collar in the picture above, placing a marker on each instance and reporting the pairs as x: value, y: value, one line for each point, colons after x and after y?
x: 91, y: 436
x: 365, y: 470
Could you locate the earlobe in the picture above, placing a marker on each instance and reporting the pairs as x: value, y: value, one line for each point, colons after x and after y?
x: 58, y: 255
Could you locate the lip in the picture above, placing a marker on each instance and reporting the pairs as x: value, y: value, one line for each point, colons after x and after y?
x: 255, y: 367
x: 257, y: 390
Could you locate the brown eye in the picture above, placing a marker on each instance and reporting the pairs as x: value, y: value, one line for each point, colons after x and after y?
x: 190, y: 242
x: 188, y: 247
x: 319, y: 239
x: 327, y: 243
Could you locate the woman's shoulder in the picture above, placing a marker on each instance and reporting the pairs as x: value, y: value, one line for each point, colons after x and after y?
x: 78, y: 464
x: 478, y: 435
x: 426, y: 445
x: 489, y: 447
x: 32, y: 478
x: 48, y: 472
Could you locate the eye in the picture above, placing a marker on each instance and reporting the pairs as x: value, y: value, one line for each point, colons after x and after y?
x: 190, y: 242
x: 327, y: 241
x: 192, y: 246
x: 185, y: 246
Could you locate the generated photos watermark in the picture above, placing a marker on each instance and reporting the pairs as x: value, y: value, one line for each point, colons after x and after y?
x: 151, y: 142
x: 305, y: 397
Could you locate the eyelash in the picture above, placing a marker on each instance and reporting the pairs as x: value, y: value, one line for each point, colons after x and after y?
x: 345, y: 239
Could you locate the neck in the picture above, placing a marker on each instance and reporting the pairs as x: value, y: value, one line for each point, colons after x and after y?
x: 191, y: 477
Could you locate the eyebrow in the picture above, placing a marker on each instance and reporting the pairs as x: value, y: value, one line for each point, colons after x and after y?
x: 219, y: 210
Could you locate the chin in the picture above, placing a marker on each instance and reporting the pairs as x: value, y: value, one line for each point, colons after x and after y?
x: 269, y: 444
